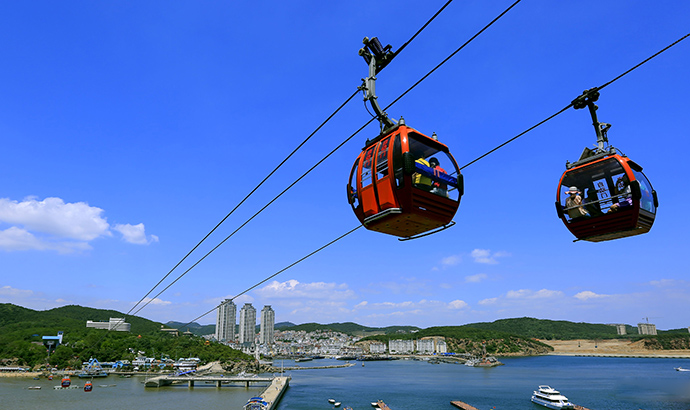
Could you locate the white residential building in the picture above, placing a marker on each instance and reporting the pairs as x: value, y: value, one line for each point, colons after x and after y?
x: 441, y: 346
x: 225, y: 322
x: 377, y: 348
x: 247, y: 324
x: 425, y: 346
x: 268, y: 321
x: 400, y: 346
x: 115, y: 323
x: 646, y: 329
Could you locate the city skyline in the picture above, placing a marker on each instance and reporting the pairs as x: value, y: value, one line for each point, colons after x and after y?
x: 125, y: 147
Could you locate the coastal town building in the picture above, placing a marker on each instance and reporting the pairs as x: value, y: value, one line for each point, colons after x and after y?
x: 52, y: 342
x: 268, y: 321
x: 646, y: 329
x: 425, y: 346
x: 225, y: 321
x: 400, y: 346
x: 247, y: 324
x: 115, y: 323
x: 377, y: 348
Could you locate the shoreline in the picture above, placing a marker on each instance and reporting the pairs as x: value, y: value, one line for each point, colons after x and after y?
x: 610, y: 348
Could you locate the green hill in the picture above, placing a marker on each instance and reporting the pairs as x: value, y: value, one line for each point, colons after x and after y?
x: 549, y: 329
x: 21, y: 332
x: 352, y: 328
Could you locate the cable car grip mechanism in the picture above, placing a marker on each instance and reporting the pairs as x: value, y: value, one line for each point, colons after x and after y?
x: 377, y: 57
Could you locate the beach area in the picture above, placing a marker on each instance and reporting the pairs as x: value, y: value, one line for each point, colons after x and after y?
x: 610, y: 347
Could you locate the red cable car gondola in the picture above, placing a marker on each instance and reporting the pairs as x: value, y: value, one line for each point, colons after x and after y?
x: 88, y: 386
x: 65, y: 381
x: 604, y: 195
x: 403, y: 183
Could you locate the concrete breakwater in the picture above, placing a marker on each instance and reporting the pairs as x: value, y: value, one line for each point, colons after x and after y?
x: 336, y: 366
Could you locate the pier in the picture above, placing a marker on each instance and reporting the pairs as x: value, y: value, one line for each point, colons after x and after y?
x: 462, y: 405
x: 274, y: 391
x: 189, y: 379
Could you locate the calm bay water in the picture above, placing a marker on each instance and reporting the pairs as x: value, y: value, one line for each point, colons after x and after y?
x: 595, y: 383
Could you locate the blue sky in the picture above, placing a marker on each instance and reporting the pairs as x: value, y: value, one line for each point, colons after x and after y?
x: 129, y: 129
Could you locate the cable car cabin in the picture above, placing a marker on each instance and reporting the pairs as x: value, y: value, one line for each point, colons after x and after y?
x: 405, y: 184
x: 616, y: 199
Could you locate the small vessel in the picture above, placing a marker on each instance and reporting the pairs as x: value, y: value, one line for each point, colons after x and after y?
x: 336, y: 404
x: 332, y: 401
x: 34, y: 387
x: 256, y: 403
x: 374, y: 404
x: 88, y: 386
x: 680, y: 369
x: 303, y: 359
x: 551, y: 398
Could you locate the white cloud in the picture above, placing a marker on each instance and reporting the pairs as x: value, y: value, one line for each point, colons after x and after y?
x: 451, y: 260
x: 52, y: 224
x: 361, y: 304
x: 457, y: 304
x: 485, y: 256
x: 530, y: 294
x: 135, y: 234
x: 10, y: 292
x: 475, y: 278
x: 53, y: 216
x: 587, y: 294
x: 315, y: 290
x: 17, y: 239
x: 489, y: 301
x: 155, y: 301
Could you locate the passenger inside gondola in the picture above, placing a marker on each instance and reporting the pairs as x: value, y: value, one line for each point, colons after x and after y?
x: 573, y: 204
x: 438, y: 188
x: 418, y: 178
x: 623, y: 194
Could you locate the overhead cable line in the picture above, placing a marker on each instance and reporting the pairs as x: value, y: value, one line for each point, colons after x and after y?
x: 277, y: 273
x: 453, y: 53
x: 326, y: 157
x: 571, y: 104
x: 272, y: 172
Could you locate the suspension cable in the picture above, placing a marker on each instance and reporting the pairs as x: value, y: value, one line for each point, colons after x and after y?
x: 277, y: 273
x: 571, y: 104
x: 453, y: 54
x: 270, y: 174
x: 327, y: 156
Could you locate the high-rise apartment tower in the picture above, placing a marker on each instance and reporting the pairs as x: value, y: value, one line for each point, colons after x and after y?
x: 247, y: 323
x: 225, y: 323
x: 268, y: 321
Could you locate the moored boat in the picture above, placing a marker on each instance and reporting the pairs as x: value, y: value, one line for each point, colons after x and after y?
x: 256, y: 403
x: 551, y: 398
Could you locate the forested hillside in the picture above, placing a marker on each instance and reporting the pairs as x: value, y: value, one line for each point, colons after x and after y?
x: 21, y: 332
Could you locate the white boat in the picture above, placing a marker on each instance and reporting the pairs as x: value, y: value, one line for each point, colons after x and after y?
x: 680, y: 369
x: 331, y: 401
x: 551, y: 398
x: 336, y: 404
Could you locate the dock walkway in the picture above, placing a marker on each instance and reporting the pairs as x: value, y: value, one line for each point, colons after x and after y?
x: 167, y: 380
x: 274, y: 391
x: 462, y: 405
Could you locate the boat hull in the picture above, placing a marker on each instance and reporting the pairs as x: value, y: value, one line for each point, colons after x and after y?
x: 555, y: 406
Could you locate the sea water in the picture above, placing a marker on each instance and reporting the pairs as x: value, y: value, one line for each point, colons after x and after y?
x: 593, y: 382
